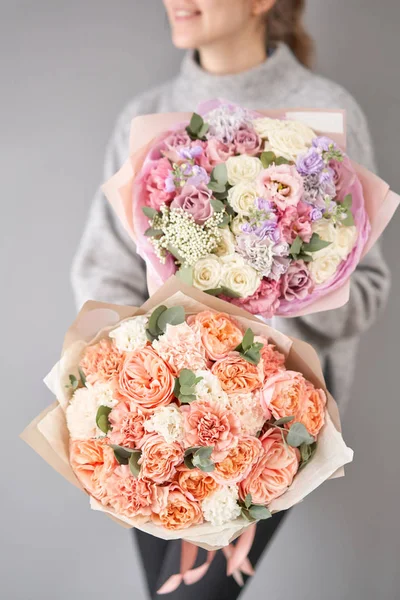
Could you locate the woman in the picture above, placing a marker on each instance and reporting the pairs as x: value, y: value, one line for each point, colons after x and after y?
x: 255, y: 53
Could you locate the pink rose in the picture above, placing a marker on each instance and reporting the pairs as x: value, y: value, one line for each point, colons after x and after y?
x: 285, y: 395
x: 171, y: 144
x: 155, y: 184
x: 127, y: 422
x: 344, y: 176
x: 195, y: 201
x: 159, y: 459
x: 206, y: 424
x: 246, y: 141
x: 274, y: 471
x: 265, y: 299
x: 297, y: 283
x: 282, y: 185
x: 214, y: 153
x: 133, y: 497
x: 296, y: 221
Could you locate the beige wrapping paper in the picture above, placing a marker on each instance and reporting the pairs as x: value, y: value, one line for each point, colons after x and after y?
x: 49, y: 437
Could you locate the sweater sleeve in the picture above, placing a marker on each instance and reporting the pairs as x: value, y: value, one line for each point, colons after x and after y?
x: 370, y: 283
x: 106, y: 266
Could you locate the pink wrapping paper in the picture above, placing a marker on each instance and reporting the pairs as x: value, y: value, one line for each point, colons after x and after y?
x: 380, y: 202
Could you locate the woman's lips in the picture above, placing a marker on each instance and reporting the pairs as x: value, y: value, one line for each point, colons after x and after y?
x: 185, y: 15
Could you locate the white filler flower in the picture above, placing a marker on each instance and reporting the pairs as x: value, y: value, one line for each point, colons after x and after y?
x: 222, y: 507
x: 131, y: 334
x: 209, y: 388
x: 168, y: 422
x: 81, y: 414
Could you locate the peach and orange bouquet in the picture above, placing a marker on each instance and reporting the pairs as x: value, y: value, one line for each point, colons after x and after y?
x: 188, y: 421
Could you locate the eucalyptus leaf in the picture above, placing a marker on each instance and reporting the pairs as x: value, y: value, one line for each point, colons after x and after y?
x: 188, y: 399
x: 191, y: 450
x: 102, y: 421
x: 259, y: 512
x: 172, y: 316
x: 185, y: 274
x: 267, y: 158
x: 73, y: 382
x: 175, y: 253
x: 248, y: 339
x: 121, y: 454
x: 151, y: 232
x: 188, y: 461
x: 204, y: 452
x: 220, y: 174
x: 134, y: 467
x: 246, y: 514
x: 225, y: 221
x: 298, y: 435
x: 152, y: 325
x: 248, y: 500
x: 187, y: 377
x: 82, y: 376
x: 215, y: 291
x: 217, y: 205
x: 149, y: 212
x: 283, y: 420
x: 307, y: 451
x: 216, y: 186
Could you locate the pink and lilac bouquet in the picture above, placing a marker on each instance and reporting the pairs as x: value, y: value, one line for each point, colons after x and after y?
x: 188, y: 422
x: 262, y: 212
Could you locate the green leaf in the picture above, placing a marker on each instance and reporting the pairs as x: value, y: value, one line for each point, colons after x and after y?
x: 248, y: 501
x: 258, y: 512
x: 214, y: 291
x: 188, y: 399
x: 188, y: 462
x: 283, y: 420
x: 347, y: 201
x: 305, y: 257
x: 151, y: 232
x: 298, y: 435
x: 204, y: 452
x: 267, y: 158
x: 225, y: 221
x: 187, y: 377
x: 248, y: 339
x: 315, y: 244
x: 349, y: 220
x: 121, y: 454
x: 172, y: 316
x: 134, y: 467
x: 216, y: 187
x: 191, y: 450
x: 282, y: 161
x: 230, y: 293
x: 307, y: 451
x: 152, y: 325
x: 196, y: 123
x: 82, y: 376
x: 150, y: 336
x: 296, y: 246
x: 203, y: 130
x: 185, y: 274
x: 102, y: 421
x: 220, y: 174
x: 217, y: 205
x: 73, y: 382
x: 149, y: 212
x: 246, y: 514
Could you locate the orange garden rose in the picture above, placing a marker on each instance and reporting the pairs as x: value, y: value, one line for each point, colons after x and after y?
x: 93, y: 462
x: 219, y: 332
x: 207, y: 424
x: 313, y: 415
x: 237, y: 375
x: 285, y: 395
x: 145, y: 379
x: 101, y: 362
x: 180, y: 512
x: 159, y: 459
x: 273, y: 473
x: 196, y: 483
x: 134, y: 497
x: 239, y: 461
x: 273, y: 360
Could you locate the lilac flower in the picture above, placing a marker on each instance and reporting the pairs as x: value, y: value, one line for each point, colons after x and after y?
x: 169, y: 183
x: 198, y: 176
x: 264, y: 255
x: 310, y: 163
x: 323, y: 143
x: 316, y: 214
x: 190, y: 153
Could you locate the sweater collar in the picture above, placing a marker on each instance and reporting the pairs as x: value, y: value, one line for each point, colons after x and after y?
x: 269, y: 82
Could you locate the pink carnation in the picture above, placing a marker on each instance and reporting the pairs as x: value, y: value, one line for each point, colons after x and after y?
x: 127, y: 422
x: 265, y: 299
x: 273, y: 361
x: 155, y: 184
x: 209, y: 425
x: 296, y: 221
x: 181, y: 347
x: 282, y: 185
x: 133, y: 497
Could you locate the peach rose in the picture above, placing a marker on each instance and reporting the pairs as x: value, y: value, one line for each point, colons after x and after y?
x: 274, y: 471
x: 196, y: 483
x: 145, y: 379
x: 127, y: 422
x: 134, y: 497
x: 239, y: 461
x: 159, y: 459
x: 181, y: 511
x: 273, y: 361
x: 102, y: 362
x: 237, y: 376
x: 219, y: 332
x: 93, y: 462
x: 285, y: 394
x: 207, y: 424
x: 181, y: 348
x: 313, y: 415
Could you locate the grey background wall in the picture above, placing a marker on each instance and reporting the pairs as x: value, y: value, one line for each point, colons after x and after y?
x: 67, y: 68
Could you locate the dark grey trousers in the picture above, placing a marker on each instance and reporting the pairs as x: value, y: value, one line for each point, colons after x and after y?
x: 161, y: 559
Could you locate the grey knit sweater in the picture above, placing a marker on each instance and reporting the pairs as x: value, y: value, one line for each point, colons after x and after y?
x: 107, y: 268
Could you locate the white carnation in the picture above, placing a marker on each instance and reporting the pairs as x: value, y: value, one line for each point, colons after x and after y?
x: 238, y: 276
x: 168, y: 422
x: 243, y: 168
x: 248, y: 409
x: 103, y: 393
x: 209, y: 388
x: 222, y: 506
x: 81, y: 414
x: 131, y: 334
x: 207, y: 273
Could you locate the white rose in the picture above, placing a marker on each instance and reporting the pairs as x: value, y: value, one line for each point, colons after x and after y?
x: 243, y: 168
x: 236, y: 224
x: 207, y: 273
x: 305, y: 132
x: 242, y: 197
x: 286, y: 143
x: 264, y: 126
x: 323, y: 267
x: 168, y: 422
x: 130, y: 335
x: 238, y: 276
x: 345, y: 239
x: 226, y: 244
x: 81, y: 415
